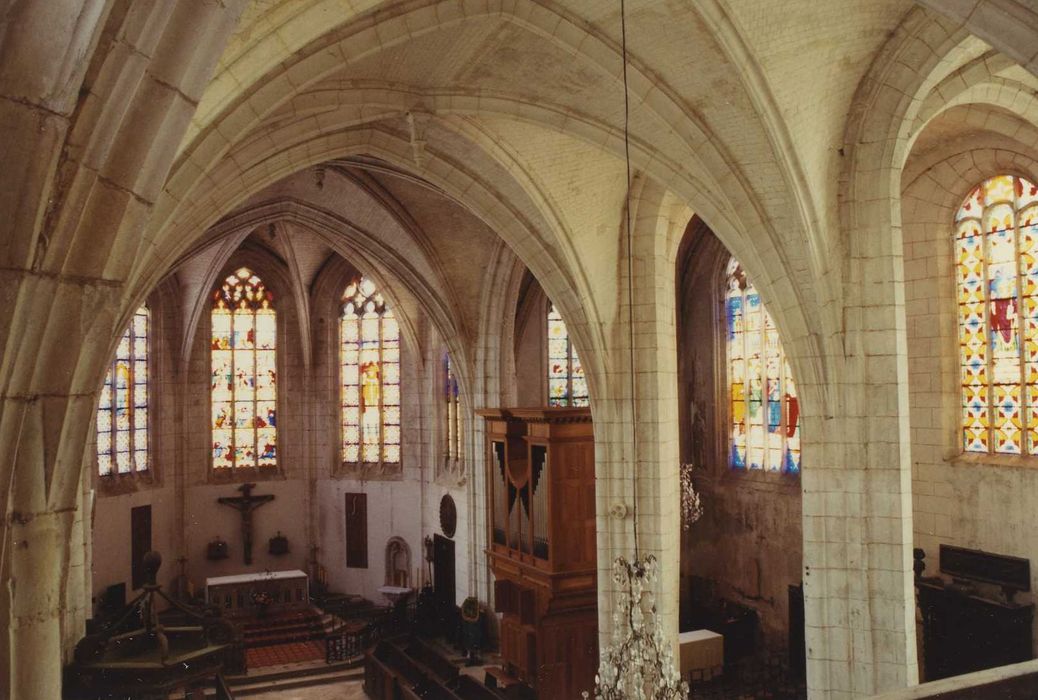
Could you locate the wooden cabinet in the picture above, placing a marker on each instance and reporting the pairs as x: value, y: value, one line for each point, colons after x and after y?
x: 542, y: 545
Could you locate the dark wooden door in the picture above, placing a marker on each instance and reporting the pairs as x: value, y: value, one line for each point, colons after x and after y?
x: 797, y: 647
x: 443, y: 571
x: 356, y: 530
x: 140, y: 542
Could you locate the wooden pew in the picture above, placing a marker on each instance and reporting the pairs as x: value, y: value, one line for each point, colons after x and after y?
x: 468, y: 688
x: 380, y: 681
x: 417, y: 672
x: 432, y: 659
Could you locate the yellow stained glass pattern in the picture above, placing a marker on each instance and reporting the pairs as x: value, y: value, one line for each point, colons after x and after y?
x: 996, y: 254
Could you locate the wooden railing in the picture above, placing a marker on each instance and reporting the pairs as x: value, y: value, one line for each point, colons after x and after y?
x: 1013, y: 682
x: 351, y: 638
x: 222, y: 691
x: 347, y: 644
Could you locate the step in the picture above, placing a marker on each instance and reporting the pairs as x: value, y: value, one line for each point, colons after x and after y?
x: 283, y: 639
x: 309, y: 624
x: 304, y: 677
x: 305, y: 624
x: 310, y: 629
x: 266, y: 623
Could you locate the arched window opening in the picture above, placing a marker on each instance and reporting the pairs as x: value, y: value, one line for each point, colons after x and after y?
x: 122, y: 412
x: 996, y: 250
x: 370, y: 375
x: 567, y: 385
x: 244, y: 373
x: 765, y: 412
x: 452, y: 432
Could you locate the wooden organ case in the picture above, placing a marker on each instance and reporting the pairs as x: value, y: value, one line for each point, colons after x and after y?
x: 541, y: 514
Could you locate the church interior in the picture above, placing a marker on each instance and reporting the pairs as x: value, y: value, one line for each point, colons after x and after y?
x: 519, y: 349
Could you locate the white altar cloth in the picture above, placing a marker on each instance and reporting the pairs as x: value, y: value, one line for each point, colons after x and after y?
x: 236, y: 595
x: 394, y: 593
x: 250, y: 578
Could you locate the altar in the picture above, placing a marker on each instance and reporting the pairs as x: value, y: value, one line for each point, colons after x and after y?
x: 255, y: 594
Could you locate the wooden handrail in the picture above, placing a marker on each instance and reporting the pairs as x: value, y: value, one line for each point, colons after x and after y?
x: 1013, y: 682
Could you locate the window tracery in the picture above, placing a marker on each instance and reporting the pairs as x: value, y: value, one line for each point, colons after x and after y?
x: 122, y: 412
x: 452, y: 433
x: 996, y: 251
x: 567, y: 385
x: 244, y: 373
x: 764, y: 409
x: 369, y: 360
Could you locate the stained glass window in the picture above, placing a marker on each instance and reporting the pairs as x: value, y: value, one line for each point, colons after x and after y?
x: 369, y: 357
x: 244, y: 373
x: 567, y: 385
x: 765, y: 412
x: 996, y: 250
x: 122, y: 412
x: 452, y: 448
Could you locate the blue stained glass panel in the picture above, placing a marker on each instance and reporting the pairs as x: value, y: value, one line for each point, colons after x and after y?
x: 764, y: 409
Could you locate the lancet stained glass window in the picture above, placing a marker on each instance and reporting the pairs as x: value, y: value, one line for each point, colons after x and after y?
x: 996, y: 250
x: 244, y: 373
x: 370, y: 373
x: 122, y: 412
x: 452, y: 448
x: 765, y: 412
x: 567, y: 385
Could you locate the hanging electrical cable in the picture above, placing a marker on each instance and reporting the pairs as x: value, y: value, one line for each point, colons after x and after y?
x: 639, y: 661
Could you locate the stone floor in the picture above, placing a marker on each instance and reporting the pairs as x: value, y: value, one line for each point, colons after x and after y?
x: 348, y: 690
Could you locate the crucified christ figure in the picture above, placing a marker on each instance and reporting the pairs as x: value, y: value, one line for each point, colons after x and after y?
x: 245, y: 504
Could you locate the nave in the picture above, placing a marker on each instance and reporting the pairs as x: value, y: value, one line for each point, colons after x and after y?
x: 539, y: 305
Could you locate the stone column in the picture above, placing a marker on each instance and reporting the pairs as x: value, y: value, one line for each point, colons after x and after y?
x: 43, y: 574
x: 94, y: 98
x: 857, y: 506
x: 653, y: 463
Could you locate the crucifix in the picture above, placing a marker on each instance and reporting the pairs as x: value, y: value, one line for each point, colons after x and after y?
x: 245, y: 504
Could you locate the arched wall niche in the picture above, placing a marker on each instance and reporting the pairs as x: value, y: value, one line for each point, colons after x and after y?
x: 398, y: 563
x: 746, y: 551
